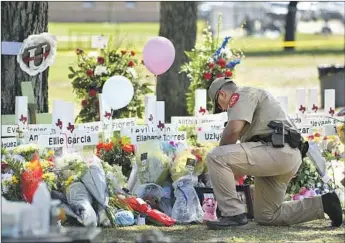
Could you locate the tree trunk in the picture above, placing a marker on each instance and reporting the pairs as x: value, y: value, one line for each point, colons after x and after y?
x: 290, y: 25
x: 19, y: 20
x: 178, y: 24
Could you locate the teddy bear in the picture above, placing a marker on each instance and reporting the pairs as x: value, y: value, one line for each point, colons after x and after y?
x: 209, y: 206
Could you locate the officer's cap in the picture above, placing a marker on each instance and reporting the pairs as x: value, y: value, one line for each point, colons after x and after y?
x: 215, y: 86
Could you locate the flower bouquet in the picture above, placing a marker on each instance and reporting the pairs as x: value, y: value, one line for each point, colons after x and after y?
x: 119, y: 152
x: 153, y: 164
x: 31, y: 178
x: 26, y: 151
x: 207, y: 62
x: 186, y: 163
x: 93, y: 71
x: 138, y: 206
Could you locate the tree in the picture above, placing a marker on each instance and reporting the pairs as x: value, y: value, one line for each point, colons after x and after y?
x: 19, y: 20
x: 178, y: 24
x: 290, y: 25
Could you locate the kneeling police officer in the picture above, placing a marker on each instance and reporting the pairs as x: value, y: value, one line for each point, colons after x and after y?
x: 270, y: 150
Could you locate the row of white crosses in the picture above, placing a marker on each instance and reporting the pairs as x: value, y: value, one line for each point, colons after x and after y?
x: 64, y: 133
x: 307, y: 118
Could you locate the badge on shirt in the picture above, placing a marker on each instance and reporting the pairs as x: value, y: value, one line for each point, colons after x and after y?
x: 234, y: 99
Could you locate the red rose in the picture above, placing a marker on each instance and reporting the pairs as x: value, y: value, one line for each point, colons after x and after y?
x: 211, y: 65
x: 84, y: 103
x: 219, y: 75
x: 228, y: 73
x: 221, y: 63
x: 317, y: 135
x: 3, y: 166
x: 100, y: 60
x: 92, y: 92
x: 89, y: 72
x: 132, y: 53
x: 79, y: 51
x: 130, y: 64
x: 123, y: 52
x: 207, y: 76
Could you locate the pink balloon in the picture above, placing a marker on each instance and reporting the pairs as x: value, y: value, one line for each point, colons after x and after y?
x: 159, y: 55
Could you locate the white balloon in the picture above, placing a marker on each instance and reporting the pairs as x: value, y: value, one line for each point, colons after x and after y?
x: 117, y: 92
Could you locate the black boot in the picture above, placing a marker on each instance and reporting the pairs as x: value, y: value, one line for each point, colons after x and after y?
x: 332, y: 207
x: 227, y: 222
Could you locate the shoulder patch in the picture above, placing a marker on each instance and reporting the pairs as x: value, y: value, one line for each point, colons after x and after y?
x: 234, y: 99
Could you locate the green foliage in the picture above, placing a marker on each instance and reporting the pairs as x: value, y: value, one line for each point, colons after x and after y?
x: 208, y: 61
x: 92, y: 72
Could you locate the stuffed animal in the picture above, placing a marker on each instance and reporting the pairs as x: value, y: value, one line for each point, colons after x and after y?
x: 209, y: 206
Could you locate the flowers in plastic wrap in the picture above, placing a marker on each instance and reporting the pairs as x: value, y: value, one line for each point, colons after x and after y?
x: 95, y: 181
x: 71, y: 167
x: 187, y: 206
x: 137, y: 205
x: 78, y: 195
x: 186, y: 163
x: 117, y: 151
x: 153, y: 165
x: 115, y: 179
x: 26, y: 150
x: 341, y: 133
x: 30, y: 178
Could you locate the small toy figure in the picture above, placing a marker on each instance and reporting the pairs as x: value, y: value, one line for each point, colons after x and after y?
x: 209, y: 206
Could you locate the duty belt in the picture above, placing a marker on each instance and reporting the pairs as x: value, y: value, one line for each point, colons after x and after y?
x: 266, y: 138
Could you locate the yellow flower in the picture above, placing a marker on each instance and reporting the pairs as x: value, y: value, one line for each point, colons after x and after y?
x: 15, y: 180
x: 50, y: 176
x: 50, y: 153
x: 69, y: 180
x: 341, y: 133
x: 45, y: 164
x: 125, y: 140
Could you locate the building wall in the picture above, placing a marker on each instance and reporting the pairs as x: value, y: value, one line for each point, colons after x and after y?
x: 103, y: 11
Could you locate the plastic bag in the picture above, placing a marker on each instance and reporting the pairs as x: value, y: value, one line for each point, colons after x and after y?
x: 124, y: 218
x: 187, y: 206
x: 150, y: 193
x: 186, y: 163
x: 95, y: 181
x: 77, y: 194
x: 132, y: 178
x: 153, y: 164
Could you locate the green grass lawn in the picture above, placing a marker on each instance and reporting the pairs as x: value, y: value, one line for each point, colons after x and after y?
x: 136, y: 35
x: 279, y: 74
x: 315, y: 231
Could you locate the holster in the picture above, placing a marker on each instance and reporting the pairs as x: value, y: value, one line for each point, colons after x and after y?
x: 284, y: 134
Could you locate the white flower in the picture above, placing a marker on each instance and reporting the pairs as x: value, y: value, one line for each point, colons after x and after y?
x: 132, y: 72
x: 5, y: 178
x: 100, y: 69
x: 92, y: 54
x: 226, y: 52
x: 210, y: 60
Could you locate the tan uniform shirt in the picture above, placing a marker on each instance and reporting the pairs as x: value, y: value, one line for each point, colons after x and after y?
x: 258, y: 108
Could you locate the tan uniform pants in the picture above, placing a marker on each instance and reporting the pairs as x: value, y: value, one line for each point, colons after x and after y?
x: 273, y: 168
